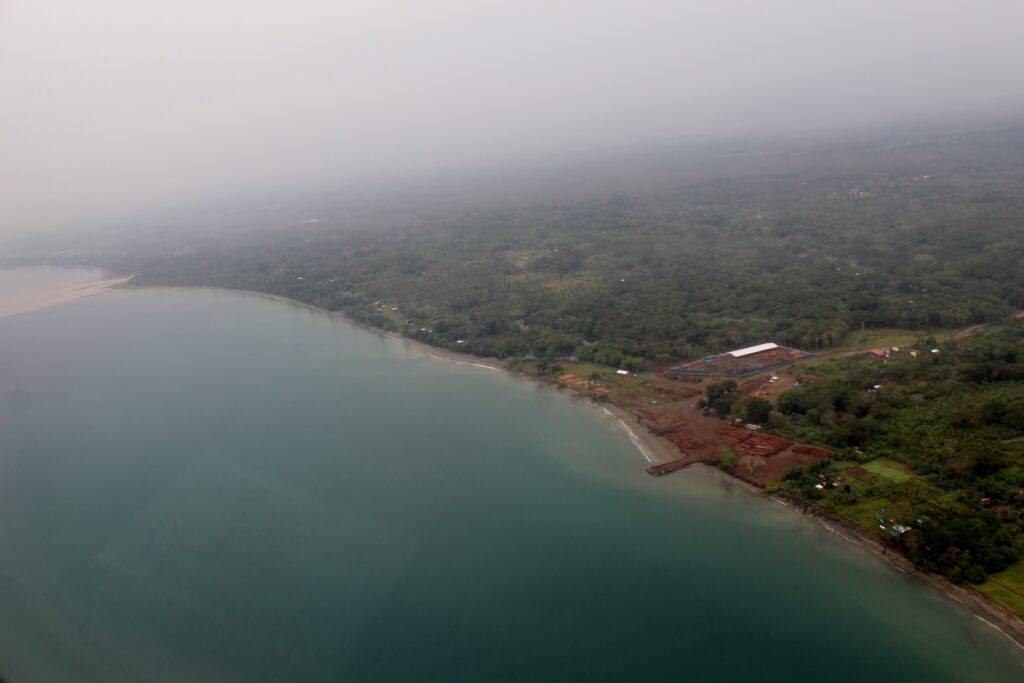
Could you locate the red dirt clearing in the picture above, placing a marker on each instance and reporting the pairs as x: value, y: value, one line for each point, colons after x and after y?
x: 662, y: 423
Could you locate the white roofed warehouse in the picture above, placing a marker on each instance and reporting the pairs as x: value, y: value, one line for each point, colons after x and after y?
x: 739, y: 363
x: 750, y: 350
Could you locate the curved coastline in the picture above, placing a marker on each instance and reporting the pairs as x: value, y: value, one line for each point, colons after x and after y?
x: 57, y: 294
x: 656, y: 449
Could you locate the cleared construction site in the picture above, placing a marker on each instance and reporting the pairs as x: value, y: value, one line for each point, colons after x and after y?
x: 699, y: 435
x: 739, y: 363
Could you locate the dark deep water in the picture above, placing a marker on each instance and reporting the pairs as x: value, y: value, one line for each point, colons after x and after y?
x: 207, y: 486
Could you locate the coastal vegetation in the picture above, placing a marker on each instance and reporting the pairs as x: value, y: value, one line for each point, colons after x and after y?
x: 931, y: 438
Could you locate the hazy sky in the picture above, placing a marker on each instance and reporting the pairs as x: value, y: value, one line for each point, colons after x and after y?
x: 111, y: 106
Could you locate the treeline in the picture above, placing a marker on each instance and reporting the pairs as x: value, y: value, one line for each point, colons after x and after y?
x: 799, y: 252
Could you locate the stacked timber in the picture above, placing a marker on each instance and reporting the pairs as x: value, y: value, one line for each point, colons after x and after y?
x: 763, y: 445
x: 813, y: 451
x: 685, y: 441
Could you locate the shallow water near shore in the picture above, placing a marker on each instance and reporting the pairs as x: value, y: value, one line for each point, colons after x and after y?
x: 23, y: 290
x: 204, y: 485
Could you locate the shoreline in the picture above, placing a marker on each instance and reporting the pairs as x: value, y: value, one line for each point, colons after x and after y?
x: 55, y: 295
x: 650, y: 445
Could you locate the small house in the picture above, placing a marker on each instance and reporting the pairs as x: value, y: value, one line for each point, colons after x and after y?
x: 898, y: 530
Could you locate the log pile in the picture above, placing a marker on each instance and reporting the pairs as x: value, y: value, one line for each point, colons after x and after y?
x: 687, y: 442
x: 763, y: 445
x: 733, y: 435
x: 813, y: 451
x: 751, y: 443
x: 661, y: 423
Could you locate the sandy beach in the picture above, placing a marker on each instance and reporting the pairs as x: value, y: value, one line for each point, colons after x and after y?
x: 54, y: 295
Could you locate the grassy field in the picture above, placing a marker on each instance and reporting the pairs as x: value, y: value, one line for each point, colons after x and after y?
x: 887, y: 337
x: 866, y: 513
x: 1007, y: 588
x: 890, y: 469
x: 887, y: 485
x: 606, y: 376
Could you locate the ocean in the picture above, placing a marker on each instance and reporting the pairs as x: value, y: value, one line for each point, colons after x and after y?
x: 213, y: 486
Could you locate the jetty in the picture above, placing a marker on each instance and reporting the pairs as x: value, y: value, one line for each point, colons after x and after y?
x: 668, y: 467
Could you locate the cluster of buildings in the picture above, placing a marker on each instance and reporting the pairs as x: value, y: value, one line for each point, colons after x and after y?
x: 887, y: 353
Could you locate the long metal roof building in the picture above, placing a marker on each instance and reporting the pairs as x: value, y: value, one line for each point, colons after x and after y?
x: 739, y: 353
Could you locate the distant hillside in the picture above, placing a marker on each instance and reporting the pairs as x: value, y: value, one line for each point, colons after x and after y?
x: 800, y: 247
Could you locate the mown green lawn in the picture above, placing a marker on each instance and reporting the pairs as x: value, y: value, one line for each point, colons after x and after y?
x: 1007, y: 588
x: 890, y: 469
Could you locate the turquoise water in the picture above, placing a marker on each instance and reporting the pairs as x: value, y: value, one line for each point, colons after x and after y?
x: 207, y: 486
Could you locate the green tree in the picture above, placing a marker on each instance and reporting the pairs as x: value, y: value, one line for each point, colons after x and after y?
x: 756, y: 409
x: 722, y: 395
x: 726, y: 458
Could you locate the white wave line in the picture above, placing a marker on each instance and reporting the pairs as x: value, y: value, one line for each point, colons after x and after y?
x: 1008, y: 636
x: 638, y: 442
x: 477, y: 365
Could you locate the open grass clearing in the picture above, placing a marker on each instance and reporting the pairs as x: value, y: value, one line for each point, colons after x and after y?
x: 867, y: 512
x: 889, y: 337
x: 845, y: 464
x: 1007, y: 588
x: 890, y: 469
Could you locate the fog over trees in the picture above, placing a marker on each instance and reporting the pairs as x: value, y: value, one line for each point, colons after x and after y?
x: 115, y: 111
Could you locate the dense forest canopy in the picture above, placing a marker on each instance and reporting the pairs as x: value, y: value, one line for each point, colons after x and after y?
x: 798, y: 247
